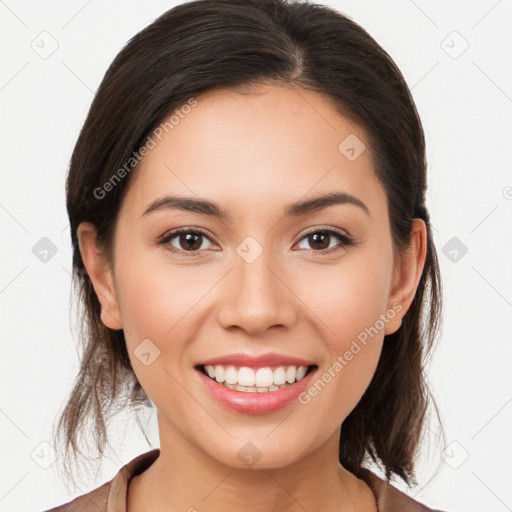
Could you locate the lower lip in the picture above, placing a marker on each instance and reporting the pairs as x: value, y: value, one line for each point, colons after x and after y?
x: 255, y: 403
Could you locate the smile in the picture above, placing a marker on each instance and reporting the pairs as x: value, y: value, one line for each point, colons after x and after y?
x: 255, y: 389
x: 255, y: 380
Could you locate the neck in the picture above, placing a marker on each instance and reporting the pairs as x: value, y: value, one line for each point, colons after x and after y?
x: 185, y: 478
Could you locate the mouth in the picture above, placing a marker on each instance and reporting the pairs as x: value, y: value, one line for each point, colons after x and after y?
x: 263, y: 379
x: 255, y: 384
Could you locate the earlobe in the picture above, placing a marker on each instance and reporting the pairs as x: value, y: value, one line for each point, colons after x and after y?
x: 407, y: 275
x: 100, y: 273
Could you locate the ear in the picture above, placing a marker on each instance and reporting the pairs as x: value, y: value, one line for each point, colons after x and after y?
x: 407, y: 275
x: 100, y: 273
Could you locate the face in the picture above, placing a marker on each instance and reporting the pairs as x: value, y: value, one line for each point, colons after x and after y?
x: 263, y: 288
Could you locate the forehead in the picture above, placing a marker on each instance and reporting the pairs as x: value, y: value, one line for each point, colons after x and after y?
x: 273, y: 145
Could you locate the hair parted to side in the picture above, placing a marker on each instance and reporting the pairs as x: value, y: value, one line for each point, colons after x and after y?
x: 203, y: 45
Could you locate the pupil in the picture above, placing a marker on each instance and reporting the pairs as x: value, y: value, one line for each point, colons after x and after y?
x: 323, y: 235
x: 189, y: 238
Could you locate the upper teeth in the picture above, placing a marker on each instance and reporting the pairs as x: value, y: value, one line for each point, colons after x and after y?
x: 259, y: 377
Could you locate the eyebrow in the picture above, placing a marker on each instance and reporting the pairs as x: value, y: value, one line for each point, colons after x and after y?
x: 296, y: 209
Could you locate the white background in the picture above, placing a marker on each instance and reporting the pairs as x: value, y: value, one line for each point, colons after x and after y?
x: 465, y: 102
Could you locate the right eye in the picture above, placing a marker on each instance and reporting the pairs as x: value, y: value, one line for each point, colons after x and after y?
x: 189, y: 239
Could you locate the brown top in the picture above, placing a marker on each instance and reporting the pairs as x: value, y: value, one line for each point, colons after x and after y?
x: 111, y: 496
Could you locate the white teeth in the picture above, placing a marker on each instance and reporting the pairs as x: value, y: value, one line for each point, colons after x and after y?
x: 239, y: 387
x: 219, y: 373
x: 291, y: 373
x: 254, y: 389
x: 301, y: 371
x: 231, y: 375
x: 264, y: 377
x: 258, y: 380
x: 246, y: 376
x: 279, y: 376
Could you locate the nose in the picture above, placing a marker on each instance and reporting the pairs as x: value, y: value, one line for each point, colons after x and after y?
x: 256, y: 296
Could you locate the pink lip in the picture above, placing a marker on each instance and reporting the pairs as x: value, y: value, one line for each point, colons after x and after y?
x: 255, y: 403
x: 256, y: 361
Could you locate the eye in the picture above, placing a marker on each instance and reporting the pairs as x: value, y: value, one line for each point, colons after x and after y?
x: 323, y: 237
x: 189, y: 241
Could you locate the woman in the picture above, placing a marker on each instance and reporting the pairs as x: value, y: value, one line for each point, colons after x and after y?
x: 254, y: 255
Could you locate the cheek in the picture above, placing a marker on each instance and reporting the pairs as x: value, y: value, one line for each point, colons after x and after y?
x: 161, y: 304
x: 350, y: 307
x: 154, y: 299
x: 145, y: 304
x: 154, y: 312
x: 349, y: 299
x: 353, y: 343
x: 358, y: 319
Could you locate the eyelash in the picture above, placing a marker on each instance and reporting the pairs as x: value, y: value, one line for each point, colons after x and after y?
x: 346, y: 241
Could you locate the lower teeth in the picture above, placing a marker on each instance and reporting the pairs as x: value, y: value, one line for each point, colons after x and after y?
x: 253, y: 389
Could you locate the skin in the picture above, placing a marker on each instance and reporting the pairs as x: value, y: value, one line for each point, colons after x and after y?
x: 253, y: 154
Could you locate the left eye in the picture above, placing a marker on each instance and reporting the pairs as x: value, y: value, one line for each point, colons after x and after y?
x: 321, y: 235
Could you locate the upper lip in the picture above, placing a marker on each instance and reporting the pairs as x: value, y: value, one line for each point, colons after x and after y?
x: 256, y: 361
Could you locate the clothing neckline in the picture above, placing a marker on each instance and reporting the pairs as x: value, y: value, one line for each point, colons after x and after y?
x: 369, y: 479
x: 118, y: 489
x: 118, y: 495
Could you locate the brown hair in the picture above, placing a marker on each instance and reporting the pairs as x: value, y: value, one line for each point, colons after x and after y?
x: 214, y: 44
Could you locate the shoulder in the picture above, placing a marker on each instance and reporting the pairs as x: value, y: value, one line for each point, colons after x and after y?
x: 390, y: 498
x: 111, y: 496
x: 94, y: 500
